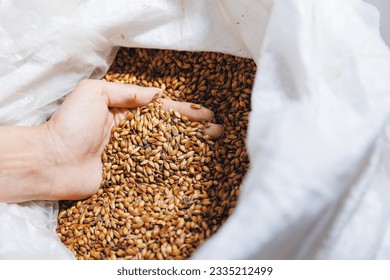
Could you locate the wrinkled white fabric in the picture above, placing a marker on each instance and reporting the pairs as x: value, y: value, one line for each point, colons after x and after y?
x: 318, y: 136
x: 384, y: 8
x: 28, y: 232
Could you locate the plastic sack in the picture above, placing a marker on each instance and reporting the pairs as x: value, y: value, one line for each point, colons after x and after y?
x: 318, y: 186
x: 317, y: 137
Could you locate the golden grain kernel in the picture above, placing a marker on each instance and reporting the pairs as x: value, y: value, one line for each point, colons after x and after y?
x: 196, y: 106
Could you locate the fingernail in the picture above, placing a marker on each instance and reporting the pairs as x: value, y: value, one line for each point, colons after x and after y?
x: 223, y: 129
x: 157, y: 95
x: 212, y: 115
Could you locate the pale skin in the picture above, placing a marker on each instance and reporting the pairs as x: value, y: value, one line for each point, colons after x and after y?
x: 61, y: 159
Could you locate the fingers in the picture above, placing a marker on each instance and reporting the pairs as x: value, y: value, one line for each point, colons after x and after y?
x: 193, y: 112
x: 119, y: 114
x: 214, y: 130
x: 122, y: 95
x: 129, y: 96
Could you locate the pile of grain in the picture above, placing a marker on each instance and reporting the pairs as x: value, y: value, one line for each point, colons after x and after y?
x: 167, y: 186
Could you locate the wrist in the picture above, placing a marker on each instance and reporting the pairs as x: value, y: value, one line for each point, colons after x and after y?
x: 48, y: 157
x: 25, y: 167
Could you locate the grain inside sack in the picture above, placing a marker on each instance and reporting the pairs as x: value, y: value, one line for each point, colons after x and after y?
x: 167, y: 186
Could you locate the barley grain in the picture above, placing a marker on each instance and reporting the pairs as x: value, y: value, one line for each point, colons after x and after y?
x: 166, y: 186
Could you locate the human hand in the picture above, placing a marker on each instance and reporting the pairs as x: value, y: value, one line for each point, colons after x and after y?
x: 77, y: 134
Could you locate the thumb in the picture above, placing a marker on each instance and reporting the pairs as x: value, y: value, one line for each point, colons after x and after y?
x: 128, y: 96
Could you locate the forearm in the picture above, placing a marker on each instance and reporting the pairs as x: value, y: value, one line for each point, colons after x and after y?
x: 25, y: 170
